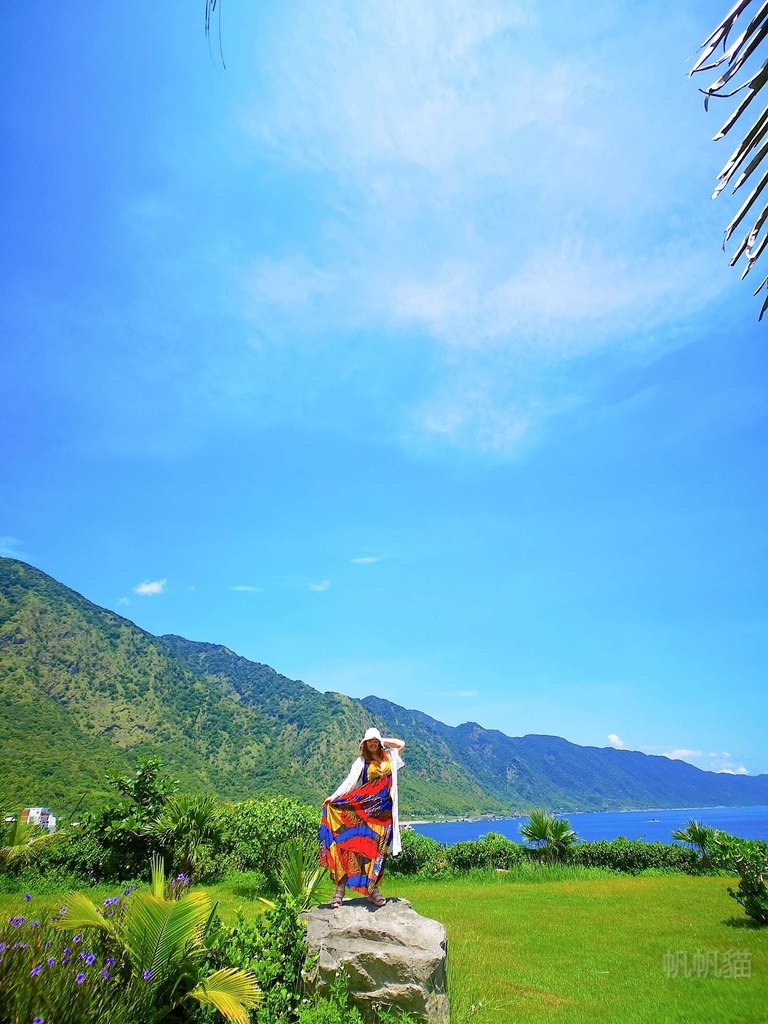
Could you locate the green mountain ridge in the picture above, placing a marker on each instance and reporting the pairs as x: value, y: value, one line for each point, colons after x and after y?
x: 85, y: 690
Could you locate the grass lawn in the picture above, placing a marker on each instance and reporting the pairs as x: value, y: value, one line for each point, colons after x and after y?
x: 586, y: 947
x: 593, y: 949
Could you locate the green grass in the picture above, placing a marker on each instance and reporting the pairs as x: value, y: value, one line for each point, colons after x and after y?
x: 591, y: 949
x: 565, y: 945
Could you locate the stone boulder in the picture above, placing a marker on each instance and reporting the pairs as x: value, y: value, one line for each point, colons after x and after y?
x: 392, y: 956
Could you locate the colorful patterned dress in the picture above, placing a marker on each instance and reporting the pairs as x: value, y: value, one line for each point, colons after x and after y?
x: 356, y: 830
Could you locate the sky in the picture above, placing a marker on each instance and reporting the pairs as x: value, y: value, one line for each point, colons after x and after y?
x: 397, y: 351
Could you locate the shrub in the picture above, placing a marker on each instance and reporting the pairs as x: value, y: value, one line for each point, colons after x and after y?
x: 254, y: 831
x: 633, y: 856
x: 490, y: 851
x: 749, y: 859
x: 419, y: 853
x: 274, y: 949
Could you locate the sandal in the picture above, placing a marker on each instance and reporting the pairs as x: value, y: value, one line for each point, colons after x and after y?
x: 338, y: 897
x: 376, y: 898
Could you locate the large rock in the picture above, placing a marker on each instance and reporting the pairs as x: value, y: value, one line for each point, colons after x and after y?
x: 392, y: 956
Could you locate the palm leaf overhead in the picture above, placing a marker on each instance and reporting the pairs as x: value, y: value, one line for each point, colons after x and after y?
x: 747, y: 158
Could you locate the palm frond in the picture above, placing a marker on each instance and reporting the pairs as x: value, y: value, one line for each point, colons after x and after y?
x: 159, y: 932
x: 232, y: 992
x: 83, y: 913
x: 749, y: 155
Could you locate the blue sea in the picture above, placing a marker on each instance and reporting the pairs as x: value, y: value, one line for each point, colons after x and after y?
x: 650, y: 826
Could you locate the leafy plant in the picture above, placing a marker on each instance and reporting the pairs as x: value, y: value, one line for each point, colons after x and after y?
x: 301, y: 876
x: 187, y: 823
x: 553, y: 836
x: 159, y: 942
x: 273, y: 949
x: 749, y: 859
x: 699, y: 836
x: 22, y: 839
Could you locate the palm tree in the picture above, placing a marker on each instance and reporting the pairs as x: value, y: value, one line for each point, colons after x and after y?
x: 301, y: 877
x: 699, y: 836
x: 550, y: 835
x: 748, y: 155
x: 187, y: 822
x: 160, y: 941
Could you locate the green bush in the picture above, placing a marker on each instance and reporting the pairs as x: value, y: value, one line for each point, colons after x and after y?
x: 419, y: 853
x: 749, y: 859
x: 633, y: 856
x: 273, y: 948
x: 490, y: 851
x: 254, y: 831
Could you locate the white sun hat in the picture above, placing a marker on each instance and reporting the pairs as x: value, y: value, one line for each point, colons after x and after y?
x: 370, y: 734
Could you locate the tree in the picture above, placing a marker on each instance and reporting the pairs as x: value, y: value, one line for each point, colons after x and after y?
x: 748, y: 156
x: 698, y: 835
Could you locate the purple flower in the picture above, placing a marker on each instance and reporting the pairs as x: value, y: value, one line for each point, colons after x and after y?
x: 27, y: 897
x: 2, y: 947
x: 51, y: 961
x: 109, y: 962
x: 36, y: 970
x: 22, y: 945
x: 78, y: 938
x: 67, y: 951
x: 39, y: 1020
x: 47, y: 945
x: 65, y: 960
x: 63, y: 910
x: 17, y: 921
x: 84, y: 954
x: 126, y: 892
x: 105, y: 974
x: 34, y: 924
x: 147, y: 975
x: 90, y: 960
x: 80, y: 978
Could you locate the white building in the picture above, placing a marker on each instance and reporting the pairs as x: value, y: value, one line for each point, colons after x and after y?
x: 39, y: 816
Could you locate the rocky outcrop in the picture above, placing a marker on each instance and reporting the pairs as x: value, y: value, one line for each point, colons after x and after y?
x: 392, y: 956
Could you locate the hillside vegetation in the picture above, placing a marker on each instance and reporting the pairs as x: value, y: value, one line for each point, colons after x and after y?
x: 84, y: 690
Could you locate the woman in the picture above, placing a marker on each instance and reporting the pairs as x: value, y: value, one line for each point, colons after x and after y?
x: 360, y: 822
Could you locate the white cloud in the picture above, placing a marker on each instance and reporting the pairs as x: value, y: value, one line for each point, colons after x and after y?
x: 723, y: 764
x: 366, y: 560
x: 741, y: 770
x: 123, y: 600
x: 682, y: 754
x: 616, y: 741
x: 323, y: 585
x: 247, y: 589
x: 150, y: 588
x: 12, y: 547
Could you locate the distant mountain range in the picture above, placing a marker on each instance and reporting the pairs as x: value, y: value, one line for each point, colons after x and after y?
x: 84, y: 690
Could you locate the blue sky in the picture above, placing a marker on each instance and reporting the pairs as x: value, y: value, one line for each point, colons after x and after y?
x: 401, y: 355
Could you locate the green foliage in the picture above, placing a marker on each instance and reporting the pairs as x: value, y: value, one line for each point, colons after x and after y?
x: 273, y: 948
x: 301, y: 876
x: 550, y: 835
x: 338, y: 1008
x: 749, y: 859
x: 254, y: 832
x: 490, y: 851
x: 699, y: 836
x: 186, y: 826
x: 419, y: 853
x: 633, y: 856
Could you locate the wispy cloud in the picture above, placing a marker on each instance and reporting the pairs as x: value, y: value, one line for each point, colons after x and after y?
x: 722, y: 762
x: 323, y: 585
x: 366, y: 560
x: 242, y: 588
x: 150, y: 588
x: 123, y: 600
x: 616, y: 741
x: 682, y: 754
x: 12, y: 547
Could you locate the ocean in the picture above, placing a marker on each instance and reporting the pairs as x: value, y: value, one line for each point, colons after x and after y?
x: 650, y: 826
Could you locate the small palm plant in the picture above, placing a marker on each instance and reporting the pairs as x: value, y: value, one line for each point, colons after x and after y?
x: 159, y: 942
x: 700, y: 836
x: 301, y: 876
x: 186, y: 823
x: 553, y: 837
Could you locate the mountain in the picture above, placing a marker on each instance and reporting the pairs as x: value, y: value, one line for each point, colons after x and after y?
x: 84, y: 690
